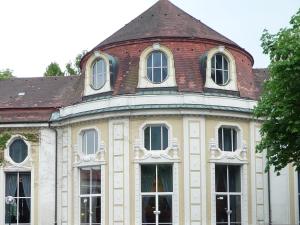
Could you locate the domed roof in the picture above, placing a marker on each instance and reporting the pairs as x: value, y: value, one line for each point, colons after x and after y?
x: 165, y: 20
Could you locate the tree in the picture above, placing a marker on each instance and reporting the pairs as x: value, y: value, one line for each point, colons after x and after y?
x: 53, y: 70
x: 74, y: 68
x: 279, y: 106
x: 6, y: 74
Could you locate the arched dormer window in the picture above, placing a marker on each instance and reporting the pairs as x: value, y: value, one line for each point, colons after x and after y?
x: 220, y: 70
x: 156, y: 67
x: 100, y: 70
x: 98, y: 74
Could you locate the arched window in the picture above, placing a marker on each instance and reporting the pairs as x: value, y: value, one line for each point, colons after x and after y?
x: 227, y: 137
x: 18, y: 151
x: 157, y: 67
x: 156, y: 137
x: 98, y: 74
x: 219, y: 69
x: 89, y: 141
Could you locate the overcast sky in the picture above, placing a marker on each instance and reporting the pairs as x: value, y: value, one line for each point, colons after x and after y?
x: 35, y: 33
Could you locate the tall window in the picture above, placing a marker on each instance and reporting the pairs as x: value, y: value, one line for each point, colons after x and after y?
x: 157, y: 194
x: 89, y: 141
x: 157, y: 67
x: 219, y: 69
x: 156, y: 137
x: 98, y: 74
x: 90, y: 196
x: 18, y: 150
x: 228, y: 195
x: 227, y: 137
x: 18, y: 186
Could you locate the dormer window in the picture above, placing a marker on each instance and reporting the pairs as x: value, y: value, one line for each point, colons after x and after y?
x: 98, y: 74
x: 219, y: 69
x: 157, y: 67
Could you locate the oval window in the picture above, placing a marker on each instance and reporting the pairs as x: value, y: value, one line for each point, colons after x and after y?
x: 18, y: 151
x: 98, y: 74
x: 157, y: 67
x: 219, y: 69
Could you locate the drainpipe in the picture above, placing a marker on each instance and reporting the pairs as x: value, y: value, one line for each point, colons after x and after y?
x: 55, y: 209
x: 269, y: 198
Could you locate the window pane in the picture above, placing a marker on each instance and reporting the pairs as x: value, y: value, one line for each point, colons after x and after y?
x: 149, y: 74
x: 157, y: 75
x: 148, y: 178
x: 220, y: 138
x: 225, y: 77
x: 99, y: 74
x: 11, y: 184
x: 165, y: 137
x: 18, y: 151
x: 96, y: 209
x: 234, y: 139
x: 235, y: 207
x: 213, y: 75
x: 221, y: 208
x: 96, y: 181
x: 227, y: 139
x: 221, y: 178
x: 234, y: 179
x: 11, y: 213
x: 225, y: 63
x: 165, y: 178
x: 156, y: 138
x: 147, y: 138
x: 156, y: 59
x: 24, y: 210
x: 213, y: 61
x: 164, y: 60
x: 85, y: 208
x: 165, y: 208
x: 219, y: 61
x: 219, y: 77
x: 149, y: 61
x: 24, y: 185
x: 148, y: 207
x: 84, y: 181
x: 165, y: 73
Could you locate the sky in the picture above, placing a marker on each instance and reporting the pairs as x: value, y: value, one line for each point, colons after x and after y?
x: 35, y: 33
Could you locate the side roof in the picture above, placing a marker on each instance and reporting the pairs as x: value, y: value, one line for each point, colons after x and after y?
x: 37, y: 97
x: 164, y: 20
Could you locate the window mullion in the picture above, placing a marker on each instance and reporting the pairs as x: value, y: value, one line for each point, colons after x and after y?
x: 231, y: 132
x: 223, y: 139
x: 161, y: 138
x: 161, y: 68
x: 150, y: 138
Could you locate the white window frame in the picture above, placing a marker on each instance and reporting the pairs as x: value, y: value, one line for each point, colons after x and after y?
x: 80, y: 142
x: 232, y: 77
x: 162, y: 141
x: 228, y: 193
x: 98, y: 73
x: 238, y: 142
x: 157, y: 194
x: 31, y: 194
x: 239, y: 136
x: 6, y: 151
x: 91, y: 195
x: 222, y: 69
x: 161, y: 67
x: 88, y: 89
x: 170, y: 80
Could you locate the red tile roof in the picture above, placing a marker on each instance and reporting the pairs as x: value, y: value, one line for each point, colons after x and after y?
x: 165, y: 20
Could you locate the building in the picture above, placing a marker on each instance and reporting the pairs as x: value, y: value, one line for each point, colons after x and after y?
x: 157, y: 130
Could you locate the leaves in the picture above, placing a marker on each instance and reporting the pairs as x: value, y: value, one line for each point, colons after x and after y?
x: 6, y: 74
x: 279, y: 105
x: 53, y: 70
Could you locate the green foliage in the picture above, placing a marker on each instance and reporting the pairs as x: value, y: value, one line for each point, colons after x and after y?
x: 6, y: 74
x: 74, y: 68
x: 53, y: 70
x: 279, y: 105
x: 4, y: 137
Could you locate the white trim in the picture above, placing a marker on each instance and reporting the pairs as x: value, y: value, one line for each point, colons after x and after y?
x: 232, y: 82
x: 79, y: 141
x: 253, y: 171
x: 203, y: 169
x: 88, y: 90
x: 180, y: 99
x: 144, y: 82
x: 296, y: 201
x: 22, y: 125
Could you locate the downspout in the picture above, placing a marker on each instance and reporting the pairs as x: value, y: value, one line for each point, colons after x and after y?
x: 269, y: 198
x: 55, y: 193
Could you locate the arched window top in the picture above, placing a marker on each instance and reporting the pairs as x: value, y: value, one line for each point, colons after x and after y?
x: 219, y: 69
x: 89, y: 141
x: 18, y: 150
x: 157, y: 67
x: 156, y: 137
x: 98, y: 76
